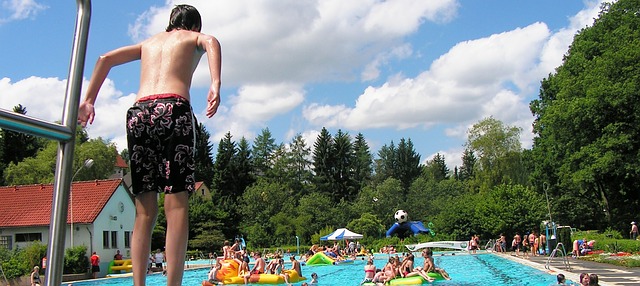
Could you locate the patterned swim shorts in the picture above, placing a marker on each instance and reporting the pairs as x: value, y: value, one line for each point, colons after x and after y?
x: 161, y: 141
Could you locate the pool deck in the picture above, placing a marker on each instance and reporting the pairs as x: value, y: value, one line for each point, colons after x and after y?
x: 607, y: 274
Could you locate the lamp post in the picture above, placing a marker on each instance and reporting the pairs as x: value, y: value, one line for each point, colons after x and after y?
x: 87, y: 164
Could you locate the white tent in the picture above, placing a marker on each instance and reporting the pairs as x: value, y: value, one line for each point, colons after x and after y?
x: 341, y: 234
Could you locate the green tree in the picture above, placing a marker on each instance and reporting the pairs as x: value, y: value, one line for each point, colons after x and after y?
x: 367, y: 225
x: 401, y: 162
x: 323, y: 163
x: 587, y: 120
x: 223, y: 184
x: 41, y: 168
x: 300, y: 165
x: 345, y: 187
x: 469, y: 161
x: 205, y: 224
x: 386, y: 164
x: 363, y: 161
x: 203, y: 158
x: 261, y: 202
x: 263, y: 148
x: 436, y: 169
x: 408, y: 166
x: 499, y: 153
x: 16, y: 146
x: 243, y: 167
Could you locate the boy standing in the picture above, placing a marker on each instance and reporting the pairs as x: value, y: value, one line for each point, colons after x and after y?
x: 161, y: 130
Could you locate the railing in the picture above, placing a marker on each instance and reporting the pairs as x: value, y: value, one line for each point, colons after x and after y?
x: 65, y: 135
x: 490, y: 246
x: 558, y: 251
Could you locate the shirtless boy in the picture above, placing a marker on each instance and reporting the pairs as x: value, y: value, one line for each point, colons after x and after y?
x: 258, y: 267
x: 168, y: 60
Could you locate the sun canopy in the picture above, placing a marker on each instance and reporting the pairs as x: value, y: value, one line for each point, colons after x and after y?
x: 341, y: 234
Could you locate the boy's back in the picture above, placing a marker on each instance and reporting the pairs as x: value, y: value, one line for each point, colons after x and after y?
x: 168, y: 61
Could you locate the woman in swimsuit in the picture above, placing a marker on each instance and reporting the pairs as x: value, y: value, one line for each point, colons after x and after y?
x: 35, y: 276
x: 369, y: 271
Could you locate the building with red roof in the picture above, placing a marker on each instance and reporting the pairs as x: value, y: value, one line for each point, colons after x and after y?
x: 100, y: 216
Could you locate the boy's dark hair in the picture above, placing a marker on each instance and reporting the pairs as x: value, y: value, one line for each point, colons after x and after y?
x: 185, y: 17
x: 561, y: 278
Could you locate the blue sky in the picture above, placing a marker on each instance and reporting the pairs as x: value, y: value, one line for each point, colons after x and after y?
x: 425, y: 70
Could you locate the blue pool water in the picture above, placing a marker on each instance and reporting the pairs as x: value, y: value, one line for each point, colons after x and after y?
x: 464, y: 269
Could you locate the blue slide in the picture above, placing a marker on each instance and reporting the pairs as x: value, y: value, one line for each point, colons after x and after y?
x: 416, y: 227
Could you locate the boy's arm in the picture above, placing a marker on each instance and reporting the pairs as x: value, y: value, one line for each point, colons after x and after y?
x: 104, y: 64
x: 214, y: 57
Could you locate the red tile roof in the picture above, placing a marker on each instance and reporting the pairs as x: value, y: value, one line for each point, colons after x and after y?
x: 30, y: 205
x: 120, y: 163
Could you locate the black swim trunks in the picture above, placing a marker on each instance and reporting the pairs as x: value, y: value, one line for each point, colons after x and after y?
x: 161, y: 141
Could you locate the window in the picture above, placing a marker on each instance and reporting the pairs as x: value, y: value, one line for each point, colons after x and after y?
x: 5, y: 242
x: 114, y: 239
x: 105, y: 239
x: 127, y: 239
x: 28, y: 237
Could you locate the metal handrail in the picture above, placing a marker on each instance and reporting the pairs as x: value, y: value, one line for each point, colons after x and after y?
x: 65, y: 135
x: 490, y: 246
x: 562, y: 251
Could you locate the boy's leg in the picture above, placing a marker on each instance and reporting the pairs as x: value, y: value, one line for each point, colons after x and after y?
x: 176, y: 208
x: 146, y: 214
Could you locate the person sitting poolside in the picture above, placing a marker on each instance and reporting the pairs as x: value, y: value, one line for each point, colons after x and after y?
x: 577, y: 247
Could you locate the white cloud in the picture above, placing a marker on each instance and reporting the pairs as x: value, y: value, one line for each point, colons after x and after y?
x: 492, y: 76
x: 44, y: 99
x: 316, y: 41
x: 19, y: 10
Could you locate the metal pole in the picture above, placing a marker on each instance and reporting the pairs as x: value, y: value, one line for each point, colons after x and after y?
x: 71, y: 206
x: 64, y: 161
x: 545, y: 186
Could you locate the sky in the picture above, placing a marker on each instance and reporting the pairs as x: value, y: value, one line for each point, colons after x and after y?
x: 413, y: 69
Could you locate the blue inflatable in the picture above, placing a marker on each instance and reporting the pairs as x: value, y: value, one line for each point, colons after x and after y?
x: 401, y: 229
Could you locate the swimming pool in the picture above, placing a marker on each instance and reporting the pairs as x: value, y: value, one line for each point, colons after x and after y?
x: 465, y: 269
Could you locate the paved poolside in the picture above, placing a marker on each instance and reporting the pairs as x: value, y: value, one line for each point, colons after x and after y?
x: 607, y: 274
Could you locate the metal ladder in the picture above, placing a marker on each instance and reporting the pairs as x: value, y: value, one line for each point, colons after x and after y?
x: 490, y: 246
x: 558, y: 251
x: 65, y: 135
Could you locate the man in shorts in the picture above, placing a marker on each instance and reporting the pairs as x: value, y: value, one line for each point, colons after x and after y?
x: 160, y: 130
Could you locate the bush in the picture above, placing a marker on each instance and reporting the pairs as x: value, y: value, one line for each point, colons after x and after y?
x: 21, y: 261
x: 76, y: 260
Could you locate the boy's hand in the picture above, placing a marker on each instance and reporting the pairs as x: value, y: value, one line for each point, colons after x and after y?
x: 86, y: 113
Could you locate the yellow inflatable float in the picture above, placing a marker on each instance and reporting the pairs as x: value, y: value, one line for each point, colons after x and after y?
x: 228, y: 274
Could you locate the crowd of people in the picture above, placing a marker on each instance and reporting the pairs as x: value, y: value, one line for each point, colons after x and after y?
x: 260, y: 266
x: 398, y: 267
